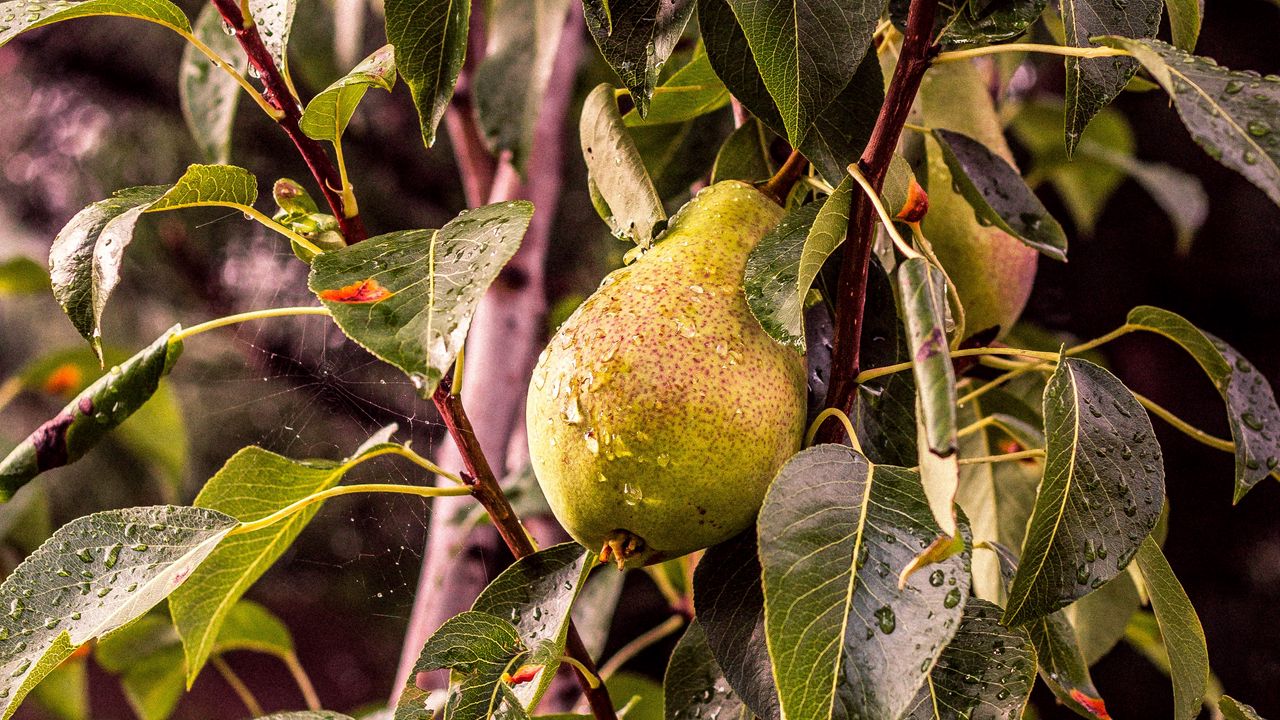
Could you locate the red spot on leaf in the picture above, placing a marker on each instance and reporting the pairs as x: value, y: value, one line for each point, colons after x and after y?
x: 1010, y: 446
x: 1094, y: 705
x: 917, y: 204
x: 63, y: 380
x: 522, y: 675
x: 362, y: 291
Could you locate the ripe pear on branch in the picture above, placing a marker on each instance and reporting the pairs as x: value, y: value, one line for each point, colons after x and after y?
x: 660, y: 410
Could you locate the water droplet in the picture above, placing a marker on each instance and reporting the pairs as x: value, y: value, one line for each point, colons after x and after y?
x: 952, y: 599
x: 885, y: 619
x: 936, y: 577
x: 113, y: 556
x: 632, y: 494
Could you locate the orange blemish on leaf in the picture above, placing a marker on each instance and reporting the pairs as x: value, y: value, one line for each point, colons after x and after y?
x: 1010, y: 446
x: 362, y: 291
x: 522, y: 675
x: 64, y: 379
x: 917, y: 204
x: 1093, y: 704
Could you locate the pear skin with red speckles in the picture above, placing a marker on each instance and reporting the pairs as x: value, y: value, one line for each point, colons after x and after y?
x: 660, y: 410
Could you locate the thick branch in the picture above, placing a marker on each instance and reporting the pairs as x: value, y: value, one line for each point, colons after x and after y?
x: 917, y: 53
x: 279, y: 96
x: 485, y: 489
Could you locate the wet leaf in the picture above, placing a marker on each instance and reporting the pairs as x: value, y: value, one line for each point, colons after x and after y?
x: 885, y: 408
x: 1233, y: 709
x: 998, y: 21
x: 999, y: 195
x: 845, y: 640
x: 985, y: 672
x: 95, y: 411
x: 1101, y: 494
x: 479, y: 649
x: 693, y: 91
x: 96, y: 574
x: 1180, y: 629
x: 1092, y: 83
x: 1100, y: 618
x: 695, y: 687
x: 19, y: 16
x: 618, y: 171
x: 636, y: 38
x: 328, y: 113
x: 208, y: 94
x: 430, y: 283
x: 430, y: 39
x: 1063, y: 667
x: 1252, y: 412
x: 274, y: 19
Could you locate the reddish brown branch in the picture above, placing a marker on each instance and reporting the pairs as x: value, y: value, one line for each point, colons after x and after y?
x: 484, y: 488
x: 279, y: 96
x: 917, y: 53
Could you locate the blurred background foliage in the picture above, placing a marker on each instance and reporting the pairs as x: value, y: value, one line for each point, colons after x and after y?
x: 93, y: 106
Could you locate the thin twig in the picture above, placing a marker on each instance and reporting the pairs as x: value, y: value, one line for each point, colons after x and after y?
x: 303, y: 681
x: 280, y: 95
x: 241, y: 690
x: 917, y: 52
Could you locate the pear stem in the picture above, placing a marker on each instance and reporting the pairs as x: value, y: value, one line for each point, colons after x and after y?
x: 918, y: 51
x: 779, y: 186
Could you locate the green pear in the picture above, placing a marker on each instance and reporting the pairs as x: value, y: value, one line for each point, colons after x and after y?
x: 992, y: 270
x: 660, y: 410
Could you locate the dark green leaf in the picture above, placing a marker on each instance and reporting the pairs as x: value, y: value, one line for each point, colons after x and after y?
x: 1180, y: 629
x: 1185, y: 17
x: 806, y: 52
x: 430, y: 39
x: 745, y: 155
x: 19, y: 16
x: 22, y: 276
x: 730, y: 608
x: 93, y: 413
x: 695, y: 687
x: 96, y: 574
x: 328, y: 113
x: 636, y: 38
x: 833, y: 134
x: 998, y: 194
x: 209, y: 95
x: 1092, y: 83
x: 1233, y: 709
x: 845, y: 640
x: 1251, y: 404
x: 693, y: 91
x: 998, y: 21
x: 618, y: 170
x: 478, y: 648
x: 1063, y: 667
x: 1102, y: 491
x: 1100, y: 617
x: 1232, y: 115
x: 985, y: 672
x: 677, y: 155
x: 408, y: 297
x: 522, y: 44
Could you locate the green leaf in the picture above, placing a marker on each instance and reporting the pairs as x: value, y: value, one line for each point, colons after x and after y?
x: 618, y: 171
x: 677, y: 155
x: 1231, y: 115
x: 1185, y: 17
x: 93, y: 413
x: 479, y: 648
x: 1092, y: 83
x: 693, y: 91
x: 208, y: 94
x: 328, y: 113
x: 744, y: 155
x: 1251, y: 404
x: 430, y: 39
x: 845, y: 640
x: 96, y: 574
x: 64, y: 693
x: 998, y: 194
x: 636, y: 38
x: 729, y: 603
x: 155, y: 433
x: 536, y: 594
x: 274, y: 19
x: 834, y: 134
x: 22, y: 276
x: 784, y: 264
x: 596, y: 607
x: 998, y: 21
x: 522, y: 44
x: 86, y: 256
x: 19, y: 16
x: 1180, y: 628
x: 885, y: 408
x: 806, y: 52
x: 1233, y: 709
x: 694, y: 685
x: 408, y: 297
x: 985, y: 672
x: 1063, y: 667
x: 252, y: 484
x: 1100, y: 618
x: 1101, y: 494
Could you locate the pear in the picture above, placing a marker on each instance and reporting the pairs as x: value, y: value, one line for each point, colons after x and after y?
x: 992, y: 271
x: 660, y: 410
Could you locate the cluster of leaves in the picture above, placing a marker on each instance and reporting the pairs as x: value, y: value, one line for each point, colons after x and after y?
x: 915, y: 573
